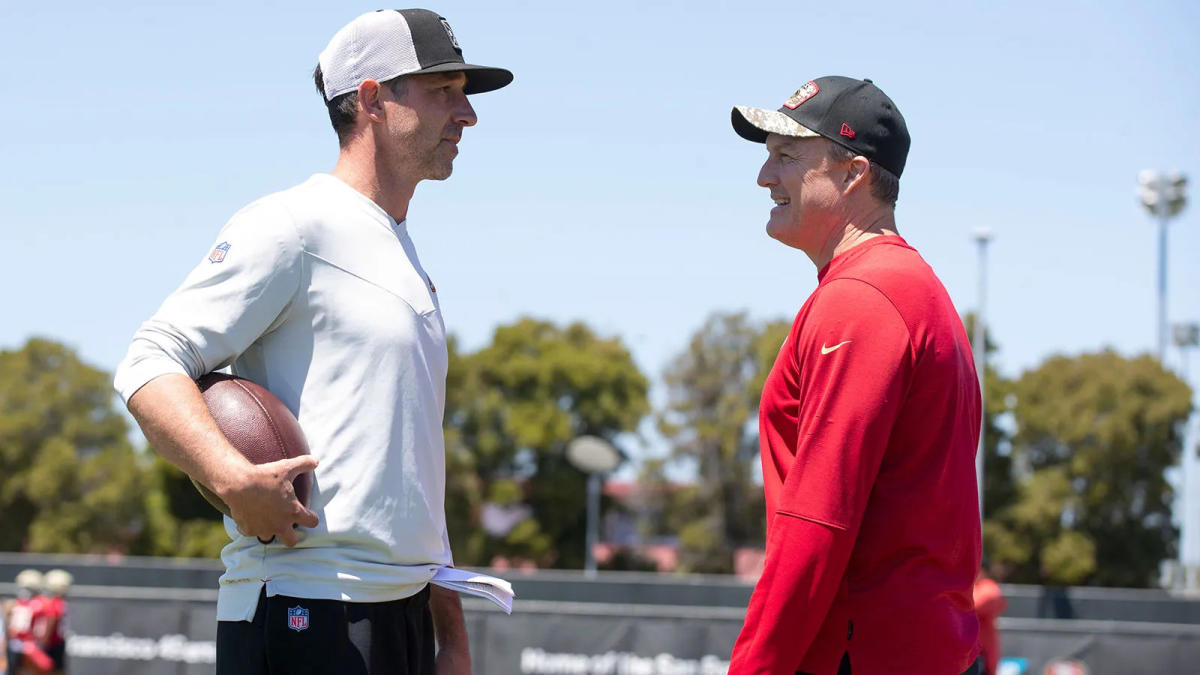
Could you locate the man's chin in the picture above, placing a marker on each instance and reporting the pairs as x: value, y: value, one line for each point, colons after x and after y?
x: 442, y: 161
x: 440, y: 172
x: 781, y: 232
x: 775, y: 229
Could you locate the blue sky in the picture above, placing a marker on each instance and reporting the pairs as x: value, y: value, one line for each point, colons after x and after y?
x: 606, y: 184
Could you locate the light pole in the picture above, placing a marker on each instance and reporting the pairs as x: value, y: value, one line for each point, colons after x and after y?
x: 593, y: 456
x: 979, y: 349
x: 1163, y: 195
x: 1187, y: 337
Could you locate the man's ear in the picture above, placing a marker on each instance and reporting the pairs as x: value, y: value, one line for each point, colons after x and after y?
x: 857, y: 174
x: 370, y: 102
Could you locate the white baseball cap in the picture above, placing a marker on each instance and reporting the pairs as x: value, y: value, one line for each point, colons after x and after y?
x: 388, y: 43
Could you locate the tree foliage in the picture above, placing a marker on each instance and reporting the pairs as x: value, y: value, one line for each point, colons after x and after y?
x: 511, y: 409
x: 1076, y: 452
x: 999, y: 488
x: 196, y: 529
x: 70, y: 482
x: 711, y: 421
x: 1094, y: 436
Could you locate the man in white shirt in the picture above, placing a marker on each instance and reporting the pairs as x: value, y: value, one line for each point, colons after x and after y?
x: 317, y: 294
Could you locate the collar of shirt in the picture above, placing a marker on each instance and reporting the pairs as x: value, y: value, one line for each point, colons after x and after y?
x: 378, y: 214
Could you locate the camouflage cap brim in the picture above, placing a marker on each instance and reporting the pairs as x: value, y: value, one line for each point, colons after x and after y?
x: 753, y: 124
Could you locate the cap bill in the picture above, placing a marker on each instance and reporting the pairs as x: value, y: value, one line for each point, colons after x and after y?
x: 480, y: 79
x: 753, y: 124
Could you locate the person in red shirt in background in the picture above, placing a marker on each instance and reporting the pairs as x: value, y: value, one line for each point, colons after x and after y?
x: 24, y: 652
x: 869, y: 418
x: 989, y: 605
x: 50, y: 626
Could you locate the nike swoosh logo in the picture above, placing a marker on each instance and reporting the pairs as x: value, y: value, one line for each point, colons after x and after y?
x: 825, y: 350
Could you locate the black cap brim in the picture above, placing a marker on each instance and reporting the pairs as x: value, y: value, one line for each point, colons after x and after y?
x: 745, y: 129
x: 480, y: 79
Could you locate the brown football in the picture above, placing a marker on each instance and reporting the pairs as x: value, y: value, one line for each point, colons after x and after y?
x: 256, y: 423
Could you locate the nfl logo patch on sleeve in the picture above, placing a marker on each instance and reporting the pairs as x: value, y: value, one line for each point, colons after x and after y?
x: 218, y: 253
x: 297, y: 618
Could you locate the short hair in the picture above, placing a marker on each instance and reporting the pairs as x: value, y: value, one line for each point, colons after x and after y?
x: 885, y: 185
x: 343, y: 108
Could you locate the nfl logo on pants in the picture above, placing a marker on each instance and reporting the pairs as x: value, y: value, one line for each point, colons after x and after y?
x: 297, y: 618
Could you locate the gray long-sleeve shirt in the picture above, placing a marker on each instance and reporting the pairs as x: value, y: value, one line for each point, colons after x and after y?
x: 317, y: 294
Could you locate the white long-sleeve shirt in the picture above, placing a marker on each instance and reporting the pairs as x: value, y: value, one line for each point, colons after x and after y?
x: 316, y: 294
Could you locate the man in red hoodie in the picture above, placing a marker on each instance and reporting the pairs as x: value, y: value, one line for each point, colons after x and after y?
x: 869, y: 418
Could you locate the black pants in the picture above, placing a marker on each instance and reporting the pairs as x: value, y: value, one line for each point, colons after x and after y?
x: 844, y: 667
x: 301, y: 636
x: 58, y: 654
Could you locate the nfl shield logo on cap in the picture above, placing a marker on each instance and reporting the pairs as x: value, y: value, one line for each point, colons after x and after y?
x: 297, y: 618
x: 218, y: 253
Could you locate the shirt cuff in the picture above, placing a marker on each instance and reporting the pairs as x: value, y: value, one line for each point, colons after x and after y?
x: 134, y: 376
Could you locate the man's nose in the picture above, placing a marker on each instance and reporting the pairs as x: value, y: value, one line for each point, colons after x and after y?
x: 766, y: 175
x: 465, y: 114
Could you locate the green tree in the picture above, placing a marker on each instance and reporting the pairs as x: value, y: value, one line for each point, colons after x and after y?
x: 464, y: 417
x: 70, y: 481
x: 511, y: 409
x: 197, y: 530
x: 1094, y: 436
x: 999, y: 484
x: 711, y: 421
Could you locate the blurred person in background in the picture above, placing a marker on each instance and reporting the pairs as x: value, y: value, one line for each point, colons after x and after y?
x: 5, y: 605
x: 50, y: 626
x: 25, y: 655
x: 989, y: 605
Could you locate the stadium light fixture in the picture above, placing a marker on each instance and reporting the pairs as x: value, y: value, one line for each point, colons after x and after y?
x: 1164, y: 194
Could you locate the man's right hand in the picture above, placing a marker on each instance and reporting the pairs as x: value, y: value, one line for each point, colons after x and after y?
x: 176, y: 421
x: 263, y: 502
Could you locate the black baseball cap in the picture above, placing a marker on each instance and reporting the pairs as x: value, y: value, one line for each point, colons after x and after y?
x: 388, y: 43
x: 855, y: 114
